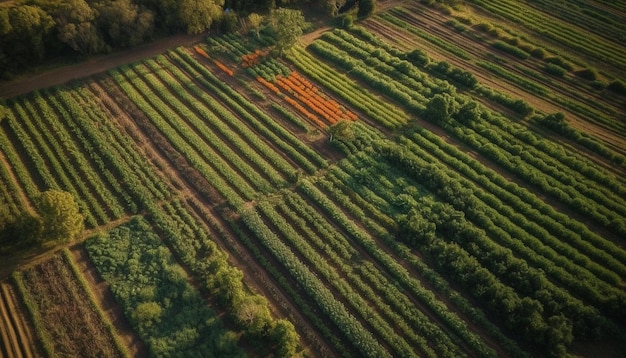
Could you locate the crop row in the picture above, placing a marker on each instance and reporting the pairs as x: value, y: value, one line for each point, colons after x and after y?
x: 260, y: 121
x: 349, y: 91
x: 340, y: 250
x: 605, y: 217
x: 356, y: 188
x: 237, y: 133
x: 40, y: 154
x: 313, y: 286
x: 333, y: 279
x: 166, y: 85
x: 118, y: 158
x: 559, y: 31
x: 179, y: 138
x: 534, y: 217
x: 440, y: 260
x: 433, y: 177
x: 75, y: 154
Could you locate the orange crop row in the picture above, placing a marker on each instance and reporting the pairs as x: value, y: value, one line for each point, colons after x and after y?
x: 201, y: 52
x: 252, y: 59
x: 304, y: 111
x: 308, y: 94
x: 268, y: 84
x: 223, y: 67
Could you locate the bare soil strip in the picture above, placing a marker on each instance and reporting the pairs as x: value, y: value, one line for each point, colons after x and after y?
x: 15, y: 325
x: 64, y: 309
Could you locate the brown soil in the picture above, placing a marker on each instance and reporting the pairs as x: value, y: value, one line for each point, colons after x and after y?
x: 62, y: 307
x: 15, y: 336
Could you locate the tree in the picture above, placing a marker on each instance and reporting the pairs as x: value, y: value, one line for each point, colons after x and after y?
x: 23, y: 33
x: 77, y: 27
x: 440, y: 108
x: 197, y: 16
x: 288, y: 25
x: 333, y: 6
x: 366, y: 8
x: 123, y: 23
x: 252, y: 312
x: 254, y: 21
x: 60, y: 216
x: 286, y: 338
x: 342, y: 130
x: 17, y: 230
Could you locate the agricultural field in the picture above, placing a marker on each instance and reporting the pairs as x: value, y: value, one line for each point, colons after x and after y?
x: 429, y: 181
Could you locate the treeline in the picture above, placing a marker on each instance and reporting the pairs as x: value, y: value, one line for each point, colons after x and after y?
x: 34, y: 32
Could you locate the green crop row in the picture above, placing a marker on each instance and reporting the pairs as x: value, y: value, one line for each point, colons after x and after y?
x: 325, y: 270
x: 178, y: 142
x: 216, y: 148
x: 308, y: 159
x: 319, y: 292
x: 121, y: 154
x: 247, y: 142
x: 102, y: 196
x: 340, y: 249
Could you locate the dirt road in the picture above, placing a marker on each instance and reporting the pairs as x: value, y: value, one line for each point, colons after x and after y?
x: 93, y: 66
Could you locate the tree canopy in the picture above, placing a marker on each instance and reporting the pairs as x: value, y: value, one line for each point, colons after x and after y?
x: 61, y: 219
x: 287, y: 25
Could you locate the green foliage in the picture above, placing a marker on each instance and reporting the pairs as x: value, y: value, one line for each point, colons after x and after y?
x: 440, y: 108
x: 418, y: 58
x: 511, y: 49
x: 287, y: 25
x: 77, y: 28
x: 617, y: 86
x: 366, y: 8
x: 589, y: 74
x: 60, y: 217
x: 123, y: 23
x: 255, y: 20
x: 538, y: 52
x: 18, y: 231
x: 198, y: 16
x: 554, y: 70
x: 559, y: 61
x: 162, y: 306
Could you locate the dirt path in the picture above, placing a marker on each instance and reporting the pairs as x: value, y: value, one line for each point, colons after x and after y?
x: 93, y: 66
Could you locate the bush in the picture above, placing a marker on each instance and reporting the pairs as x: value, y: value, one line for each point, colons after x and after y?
x: 559, y: 61
x: 598, y: 85
x: 588, y: 74
x: 554, y: 70
x: 538, y: 52
x: 513, y: 50
x: 418, y: 57
x: 617, y: 86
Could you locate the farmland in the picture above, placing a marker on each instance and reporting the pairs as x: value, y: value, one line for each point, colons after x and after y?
x: 430, y: 181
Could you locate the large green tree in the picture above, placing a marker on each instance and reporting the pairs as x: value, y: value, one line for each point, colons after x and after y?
x: 60, y: 216
x: 287, y: 25
x: 123, y: 23
x: 76, y: 22
x: 197, y: 16
x: 23, y: 33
